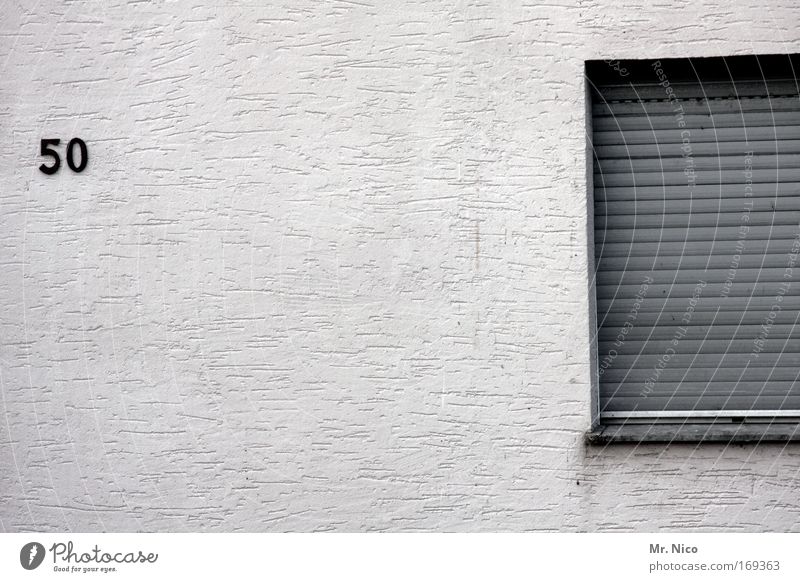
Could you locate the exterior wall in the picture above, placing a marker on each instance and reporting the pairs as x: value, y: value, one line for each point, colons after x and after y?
x: 327, y: 270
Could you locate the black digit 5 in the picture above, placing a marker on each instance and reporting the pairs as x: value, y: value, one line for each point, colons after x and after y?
x: 46, y: 150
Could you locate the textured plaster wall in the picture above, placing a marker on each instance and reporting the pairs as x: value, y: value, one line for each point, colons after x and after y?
x: 327, y: 270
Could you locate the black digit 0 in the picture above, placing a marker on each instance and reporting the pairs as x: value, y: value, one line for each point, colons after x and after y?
x: 46, y: 150
x: 84, y: 154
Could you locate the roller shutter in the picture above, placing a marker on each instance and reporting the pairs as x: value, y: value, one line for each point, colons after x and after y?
x: 697, y: 233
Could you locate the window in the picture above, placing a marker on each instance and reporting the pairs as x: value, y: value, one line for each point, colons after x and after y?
x: 696, y: 229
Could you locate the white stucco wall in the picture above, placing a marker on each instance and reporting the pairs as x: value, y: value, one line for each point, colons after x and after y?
x: 327, y: 270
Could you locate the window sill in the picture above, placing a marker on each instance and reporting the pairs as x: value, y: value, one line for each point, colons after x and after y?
x: 694, y: 433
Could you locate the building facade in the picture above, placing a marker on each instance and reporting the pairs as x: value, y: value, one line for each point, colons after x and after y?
x: 327, y: 269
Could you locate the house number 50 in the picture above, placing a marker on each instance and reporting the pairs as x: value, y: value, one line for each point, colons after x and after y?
x: 46, y: 150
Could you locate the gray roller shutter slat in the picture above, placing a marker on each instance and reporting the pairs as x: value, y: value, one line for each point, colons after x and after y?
x: 771, y: 189
x: 723, y: 388
x: 673, y: 150
x: 691, y: 233
x: 659, y: 264
x: 719, y: 206
x: 694, y: 106
x: 709, y: 162
x: 619, y: 303
x: 669, y: 330
x: 709, y: 219
x: 614, y: 321
x: 710, y: 276
x: 657, y: 347
x: 675, y: 134
x: 683, y: 289
x: 696, y: 373
x: 705, y: 248
x: 741, y: 120
x: 732, y: 403
x: 702, y: 177
x: 690, y: 90
x: 711, y: 360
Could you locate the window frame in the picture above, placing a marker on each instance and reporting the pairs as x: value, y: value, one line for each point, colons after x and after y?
x: 662, y: 427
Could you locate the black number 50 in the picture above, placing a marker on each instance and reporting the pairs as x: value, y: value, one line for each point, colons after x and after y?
x: 46, y: 150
